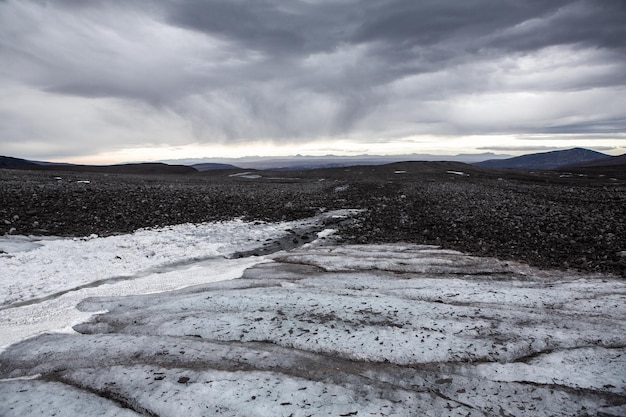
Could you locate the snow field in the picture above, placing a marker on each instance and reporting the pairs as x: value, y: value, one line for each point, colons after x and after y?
x: 43, y: 279
x: 385, y: 330
x: 63, y: 264
x: 55, y: 399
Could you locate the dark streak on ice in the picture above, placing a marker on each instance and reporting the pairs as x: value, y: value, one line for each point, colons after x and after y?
x: 112, y: 280
x: 295, y: 238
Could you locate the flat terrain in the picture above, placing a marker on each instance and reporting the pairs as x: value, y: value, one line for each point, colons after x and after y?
x: 548, y: 219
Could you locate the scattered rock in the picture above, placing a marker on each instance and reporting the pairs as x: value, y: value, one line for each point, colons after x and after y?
x: 576, y: 222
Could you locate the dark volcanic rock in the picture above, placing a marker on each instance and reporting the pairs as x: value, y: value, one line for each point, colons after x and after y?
x: 545, y: 219
x: 80, y: 204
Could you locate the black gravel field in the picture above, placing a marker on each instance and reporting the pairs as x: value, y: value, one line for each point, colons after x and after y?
x: 547, y: 219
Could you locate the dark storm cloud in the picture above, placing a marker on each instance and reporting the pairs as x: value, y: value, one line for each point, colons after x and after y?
x: 406, y: 29
x: 403, y: 37
x: 301, y: 27
x: 426, y: 36
x: 511, y: 25
x: 430, y: 22
x: 292, y: 70
x: 588, y: 23
x: 257, y: 25
x: 271, y: 26
x: 607, y: 126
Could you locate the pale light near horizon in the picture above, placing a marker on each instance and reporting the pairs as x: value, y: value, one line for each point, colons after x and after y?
x: 405, y: 146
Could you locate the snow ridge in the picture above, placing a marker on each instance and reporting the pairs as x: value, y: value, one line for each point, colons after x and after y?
x: 398, y: 330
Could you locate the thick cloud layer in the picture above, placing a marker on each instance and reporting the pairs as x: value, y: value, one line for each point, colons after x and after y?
x: 86, y: 77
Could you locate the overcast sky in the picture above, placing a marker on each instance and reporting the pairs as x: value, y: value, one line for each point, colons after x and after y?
x: 116, y: 80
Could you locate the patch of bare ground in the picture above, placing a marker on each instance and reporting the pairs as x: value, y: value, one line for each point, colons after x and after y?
x: 548, y: 219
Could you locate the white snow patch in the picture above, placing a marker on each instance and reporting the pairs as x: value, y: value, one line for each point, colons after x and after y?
x: 595, y: 368
x: 326, y: 233
x: 460, y: 173
x: 248, y: 175
x: 394, y: 257
x: 21, y: 378
x: 59, y: 315
x: 617, y: 411
x: 55, y: 399
x: 254, y: 393
x: 35, y: 269
x: 355, y: 330
x: 13, y: 244
x: 49, y: 277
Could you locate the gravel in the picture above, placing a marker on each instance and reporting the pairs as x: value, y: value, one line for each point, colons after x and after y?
x: 546, y: 219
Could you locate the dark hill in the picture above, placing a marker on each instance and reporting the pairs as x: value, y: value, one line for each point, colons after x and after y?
x: 613, y: 166
x: 212, y: 167
x: 397, y: 172
x: 156, y: 168
x: 545, y: 160
x: 10, y: 162
x: 603, y: 162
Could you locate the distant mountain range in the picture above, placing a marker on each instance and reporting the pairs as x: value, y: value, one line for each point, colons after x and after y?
x: 298, y: 162
x: 576, y: 158
x: 302, y: 162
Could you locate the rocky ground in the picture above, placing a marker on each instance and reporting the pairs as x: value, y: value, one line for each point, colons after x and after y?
x: 547, y: 219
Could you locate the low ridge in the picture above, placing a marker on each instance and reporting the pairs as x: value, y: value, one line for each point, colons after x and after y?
x: 545, y: 160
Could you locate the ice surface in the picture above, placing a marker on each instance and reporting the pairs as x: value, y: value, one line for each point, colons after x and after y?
x: 43, y: 279
x: 68, y: 263
x: 34, y: 268
x: 55, y: 399
x: 248, y: 175
x: 380, y: 330
x: 13, y: 244
x: 60, y: 313
x: 594, y: 368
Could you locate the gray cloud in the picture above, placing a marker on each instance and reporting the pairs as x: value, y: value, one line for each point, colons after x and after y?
x: 589, y: 23
x: 537, y: 148
x: 278, y: 28
x: 518, y: 148
x: 230, y: 71
x: 607, y: 126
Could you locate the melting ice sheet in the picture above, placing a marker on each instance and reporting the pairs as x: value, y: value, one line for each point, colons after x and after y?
x: 53, y: 266
x: 384, y: 330
x: 43, y: 279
